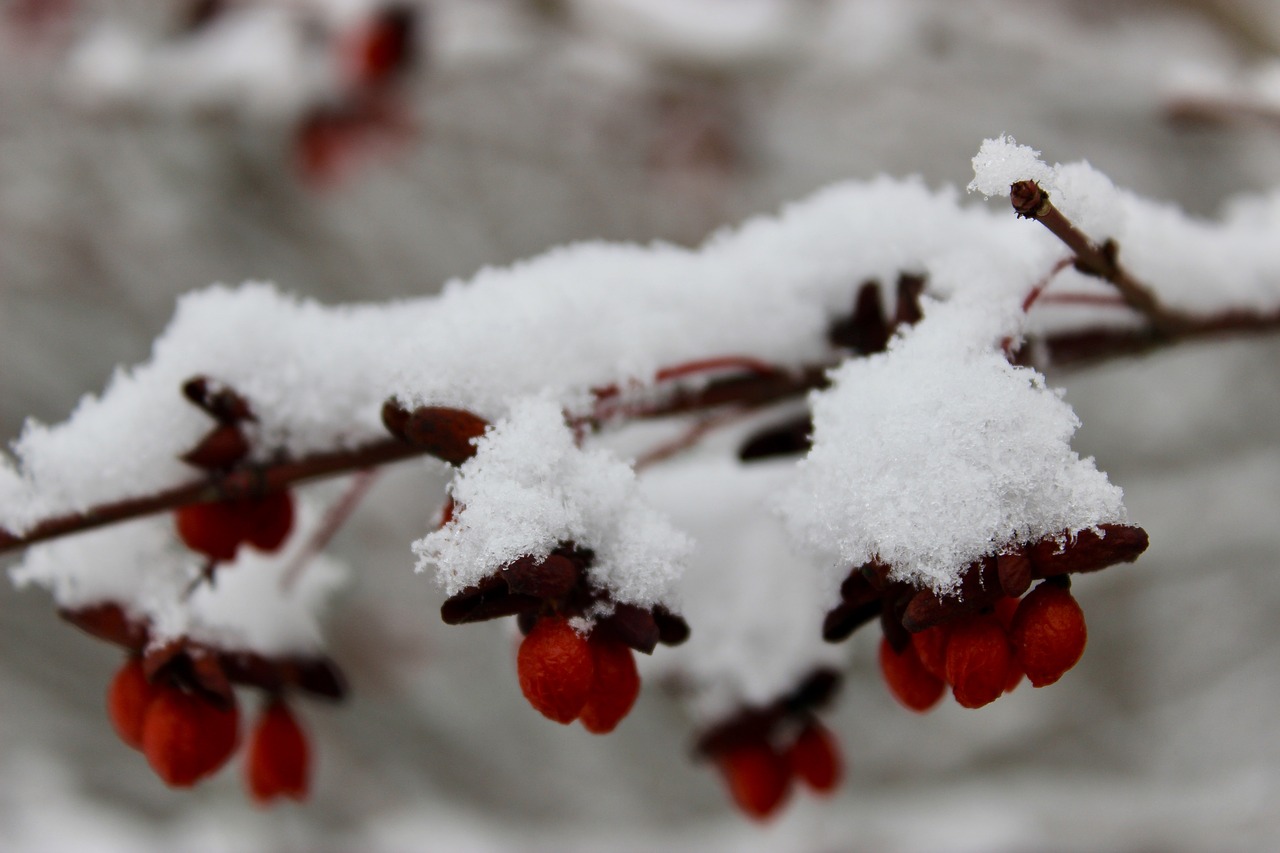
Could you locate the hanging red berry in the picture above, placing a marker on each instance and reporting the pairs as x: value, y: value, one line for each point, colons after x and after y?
x: 267, y: 520
x: 279, y: 758
x: 555, y: 668
x: 1048, y: 633
x: 186, y: 737
x: 615, y: 684
x: 814, y: 758
x: 908, y: 680
x: 759, y: 779
x: 931, y: 648
x: 127, y: 699
x: 214, y: 529
x: 978, y: 660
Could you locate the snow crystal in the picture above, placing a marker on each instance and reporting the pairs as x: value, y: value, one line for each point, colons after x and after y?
x: 939, y: 452
x: 530, y: 489
x: 1002, y: 161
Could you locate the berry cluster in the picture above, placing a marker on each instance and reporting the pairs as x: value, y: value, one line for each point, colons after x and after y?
x: 984, y: 655
x: 566, y: 676
x: 763, y: 752
x: 187, y: 734
x: 175, y: 702
x: 217, y: 529
x: 982, y: 640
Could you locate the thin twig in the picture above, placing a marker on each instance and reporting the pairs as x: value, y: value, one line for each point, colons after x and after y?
x: 1032, y: 202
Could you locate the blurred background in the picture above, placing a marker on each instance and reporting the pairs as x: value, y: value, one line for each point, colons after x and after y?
x: 353, y: 150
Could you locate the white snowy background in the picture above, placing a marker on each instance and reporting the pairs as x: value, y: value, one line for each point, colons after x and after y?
x: 548, y: 122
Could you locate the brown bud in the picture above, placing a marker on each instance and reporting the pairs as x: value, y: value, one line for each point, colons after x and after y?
x: 445, y: 433
x: 220, y: 449
x: 1088, y: 551
x: 634, y: 626
x: 552, y: 577
x: 1014, y: 571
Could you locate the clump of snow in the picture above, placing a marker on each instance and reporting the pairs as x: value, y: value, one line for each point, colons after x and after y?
x: 530, y: 489
x: 938, y: 452
x: 756, y: 603
x: 1191, y: 264
x: 1002, y: 161
x: 143, y: 567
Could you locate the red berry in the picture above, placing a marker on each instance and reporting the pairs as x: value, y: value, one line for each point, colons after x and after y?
x: 615, y: 684
x: 815, y: 758
x: 759, y: 779
x: 931, y: 647
x: 127, y: 699
x: 908, y: 680
x: 978, y: 660
x: 1048, y: 633
x: 1004, y: 610
x: 555, y: 667
x: 186, y: 737
x: 214, y: 529
x: 267, y: 520
x: 279, y: 760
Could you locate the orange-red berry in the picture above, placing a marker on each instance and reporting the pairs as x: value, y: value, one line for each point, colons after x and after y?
x: 127, y: 699
x: 217, y: 529
x: 214, y: 529
x: 759, y: 779
x: 615, y: 684
x: 978, y: 660
x: 908, y: 680
x: 555, y: 667
x: 267, y: 520
x: 931, y: 647
x: 186, y: 737
x: 279, y: 759
x: 814, y: 758
x: 1048, y: 633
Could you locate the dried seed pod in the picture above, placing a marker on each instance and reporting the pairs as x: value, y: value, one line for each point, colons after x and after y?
x: 555, y: 666
x: 220, y: 449
x: 279, y: 758
x: 127, y: 699
x: 1048, y: 633
x: 1088, y: 551
x: 908, y: 680
x: 634, y: 626
x: 615, y: 684
x: 187, y: 737
x: 551, y: 577
x: 672, y: 629
x: 759, y: 779
x: 978, y: 660
x: 814, y: 758
x: 445, y: 433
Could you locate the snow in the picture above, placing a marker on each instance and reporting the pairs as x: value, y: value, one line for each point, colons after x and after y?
x: 937, y: 453
x: 529, y: 340
x: 530, y: 489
